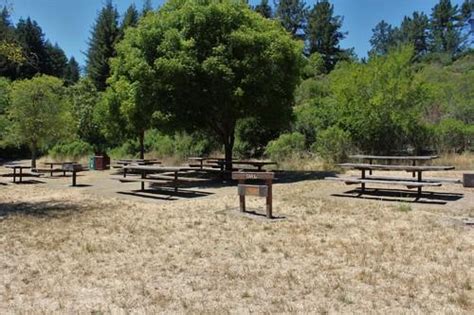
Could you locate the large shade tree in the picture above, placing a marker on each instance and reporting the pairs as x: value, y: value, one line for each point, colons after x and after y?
x: 205, y: 65
x: 37, y: 114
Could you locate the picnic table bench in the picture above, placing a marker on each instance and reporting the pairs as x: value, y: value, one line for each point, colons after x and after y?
x: 159, y: 175
x: 51, y: 168
x: 417, y: 182
x: 18, y: 172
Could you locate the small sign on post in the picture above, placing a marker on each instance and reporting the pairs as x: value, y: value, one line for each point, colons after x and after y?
x: 255, y: 190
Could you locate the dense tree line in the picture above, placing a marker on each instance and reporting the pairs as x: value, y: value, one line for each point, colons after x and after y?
x: 272, y: 82
x: 37, y: 55
x: 445, y: 31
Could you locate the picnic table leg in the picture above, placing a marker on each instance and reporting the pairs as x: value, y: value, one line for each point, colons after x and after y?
x: 14, y: 175
x: 124, y: 172
x: 242, y: 199
x: 74, y: 178
x: 414, y: 173
x: 176, y: 181
x: 51, y: 167
x: 21, y: 175
x: 362, y: 185
x: 370, y: 162
x: 143, y: 183
x: 419, y: 188
x: 269, y: 200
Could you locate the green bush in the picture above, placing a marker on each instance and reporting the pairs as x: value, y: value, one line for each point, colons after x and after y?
x: 191, y: 145
x: 333, y: 145
x: 286, y: 146
x: 129, y: 149
x: 452, y: 135
x: 180, y: 145
x: 160, y: 144
x: 73, y: 150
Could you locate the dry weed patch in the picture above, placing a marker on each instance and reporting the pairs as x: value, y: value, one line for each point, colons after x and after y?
x: 64, y: 251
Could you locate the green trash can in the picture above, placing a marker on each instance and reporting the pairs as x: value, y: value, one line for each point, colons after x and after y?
x: 92, y: 162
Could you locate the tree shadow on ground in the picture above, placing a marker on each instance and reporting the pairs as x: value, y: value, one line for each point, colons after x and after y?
x: 165, y: 193
x: 44, y: 209
x: 401, y: 195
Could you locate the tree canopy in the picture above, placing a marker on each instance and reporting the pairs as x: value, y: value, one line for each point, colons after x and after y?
x: 204, y: 77
x: 37, y: 114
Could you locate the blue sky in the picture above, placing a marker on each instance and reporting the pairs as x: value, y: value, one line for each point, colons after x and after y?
x: 68, y: 22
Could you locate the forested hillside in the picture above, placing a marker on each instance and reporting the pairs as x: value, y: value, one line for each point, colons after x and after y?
x: 269, y: 81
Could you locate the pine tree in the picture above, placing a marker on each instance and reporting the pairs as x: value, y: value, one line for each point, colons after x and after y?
x: 130, y: 17
x: 7, y: 35
x: 414, y: 30
x: 56, y: 60
x: 71, y: 72
x: 323, y: 33
x: 445, y: 34
x: 147, y: 7
x: 292, y: 15
x: 467, y: 21
x: 104, y: 36
x: 382, y: 38
x: 264, y: 9
x: 30, y: 36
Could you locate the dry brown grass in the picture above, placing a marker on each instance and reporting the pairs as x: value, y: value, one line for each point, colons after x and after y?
x: 463, y: 161
x: 64, y: 251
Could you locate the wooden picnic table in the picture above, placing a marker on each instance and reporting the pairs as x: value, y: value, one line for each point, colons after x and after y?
x: 74, y: 168
x: 255, y: 163
x: 213, y: 162
x: 414, y: 159
x: 20, y: 173
x: 148, y: 174
x: 138, y: 161
x: 62, y: 164
x: 409, y: 182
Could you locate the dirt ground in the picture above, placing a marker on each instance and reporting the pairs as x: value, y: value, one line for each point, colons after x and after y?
x: 105, y: 247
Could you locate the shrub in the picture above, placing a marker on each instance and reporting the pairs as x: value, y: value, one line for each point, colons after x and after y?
x: 180, y: 145
x: 333, y: 145
x: 452, y: 135
x: 129, y: 149
x: 287, y: 145
x: 191, y: 145
x: 160, y: 144
x: 73, y: 150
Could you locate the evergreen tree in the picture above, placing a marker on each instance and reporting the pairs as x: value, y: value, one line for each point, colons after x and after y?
x: 445, y: 34
x: 104, y: 36
x: 130, y: 18
x: 7, y: 36
x: 264, y: 9
x: 56, y: 60
x: 467, y: 21
x: 147, y: 7
x: 31, y: 38
x: 414, y: 31
x: 323, y: 33
x: 292, y: 15
x: 72, y: 72
x: 382, y: 38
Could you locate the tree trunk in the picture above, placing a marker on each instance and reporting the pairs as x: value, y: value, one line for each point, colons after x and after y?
x: 33, y: 155
x: 229, y: 148
x: 142, y: 146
